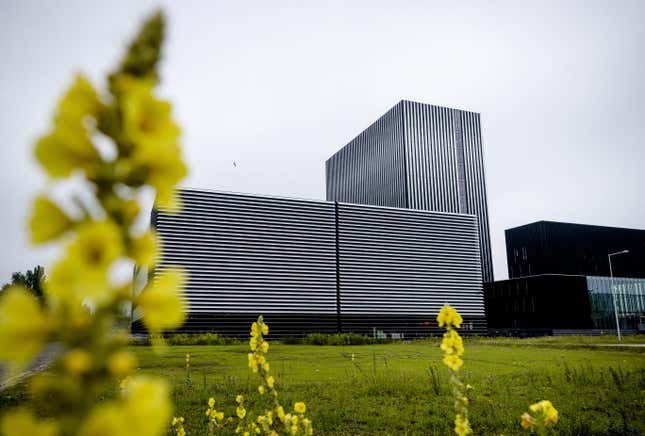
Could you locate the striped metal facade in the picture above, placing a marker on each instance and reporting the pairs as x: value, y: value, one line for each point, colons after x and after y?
x: 417, y: 156
x: 398, y: 267
x: 371, y: 171
x: 315, y: 266
x: 248, y: 255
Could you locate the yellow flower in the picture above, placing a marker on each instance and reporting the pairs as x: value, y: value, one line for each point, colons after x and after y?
x: 79, y: 102
x: 65, y: 150
x: 21, y: 422
x: 211, y: 402
x: 84, y: 273
x: 264, y: 346
x: 527, y: 420
x: 546, y: 409
x: 147, y: 121
x: 308, y: 428
x: 161, y: 302
x: 253, y: 363
x: 239, y: 399
x: 270, y: 381
x: 265, y: 329
x: 23, y: 326
x: 121, y: 363
x: 449, y: 317
x: 144, y: 249
x: 68, y: 146
x: 147, y: 407
x: 253, y: 343
x: 265, y: 366
x: 462, y: 426
x: 106, y: 419
x: 453, y: 362
x: 452, y: 343
x: 78, y: 361
x: 280, y: 412
x: 47, y: 221
x: 300, y: 407
x: 149, y: 126
x: 241, y: 412
x: 261, y: 390
x: 551, y: 418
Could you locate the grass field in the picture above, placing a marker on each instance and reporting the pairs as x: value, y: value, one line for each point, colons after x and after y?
x: 402, y: 388
x: 391, y: 389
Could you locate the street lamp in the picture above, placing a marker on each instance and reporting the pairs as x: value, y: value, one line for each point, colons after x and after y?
x: 613, y: 291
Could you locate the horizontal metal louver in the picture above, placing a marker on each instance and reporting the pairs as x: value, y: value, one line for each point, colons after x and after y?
x: 398, y: 267
x: 294, y: 261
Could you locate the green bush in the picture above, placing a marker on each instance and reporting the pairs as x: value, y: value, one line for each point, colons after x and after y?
x: 190, y: 339
x: 340, y: 339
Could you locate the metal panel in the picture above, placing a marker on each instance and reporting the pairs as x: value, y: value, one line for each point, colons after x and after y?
x: 547, y: 247
x: 370, y: 170
x: 249, y: 255
x: 319, y: 266
x: 441, y: 162
x: 398, y: 267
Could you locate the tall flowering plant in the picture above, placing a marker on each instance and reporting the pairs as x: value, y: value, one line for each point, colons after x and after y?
x: 453, y: 347
x: 116, y: 144
x: 544, y: 417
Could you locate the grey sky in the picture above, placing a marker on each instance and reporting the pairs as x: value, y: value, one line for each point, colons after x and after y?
x: 278, y: 87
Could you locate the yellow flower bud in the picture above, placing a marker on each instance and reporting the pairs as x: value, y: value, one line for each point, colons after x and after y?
x: 78, y: 361
x: 121, y: 363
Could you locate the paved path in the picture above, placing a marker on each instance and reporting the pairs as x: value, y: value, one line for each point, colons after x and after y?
x: 618, y: 345
x: 40, y: 364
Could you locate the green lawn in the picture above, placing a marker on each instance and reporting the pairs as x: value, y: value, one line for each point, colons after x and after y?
x: 389, y: 389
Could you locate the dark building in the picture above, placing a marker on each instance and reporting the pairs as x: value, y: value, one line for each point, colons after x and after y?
x: 544, y: 304
x: 417, y: 156
x: 547, y: 247
x: 316, y: 266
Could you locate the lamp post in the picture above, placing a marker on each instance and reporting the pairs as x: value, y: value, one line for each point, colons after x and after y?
x: 613, y: 291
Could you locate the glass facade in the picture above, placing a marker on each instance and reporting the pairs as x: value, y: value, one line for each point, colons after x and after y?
x: 630, y: 301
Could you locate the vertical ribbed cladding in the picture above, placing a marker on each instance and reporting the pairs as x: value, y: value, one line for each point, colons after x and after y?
x: 248, y: 255
x: 370, y: 169
x: 476, y: 199
x: 445, y: 166
x: 399, y: 266
x: 430, y: 157
x: 438, y: 153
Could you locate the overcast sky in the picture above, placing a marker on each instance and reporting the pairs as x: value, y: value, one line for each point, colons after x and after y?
x: 277, y: 87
